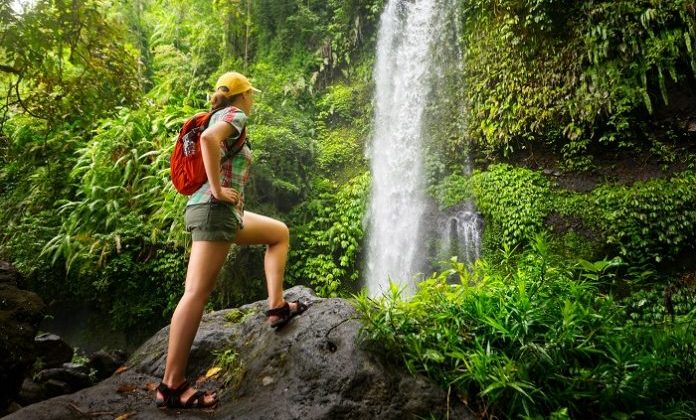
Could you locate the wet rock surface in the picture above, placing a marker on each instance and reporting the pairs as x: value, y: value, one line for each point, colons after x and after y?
x: 313, y: 368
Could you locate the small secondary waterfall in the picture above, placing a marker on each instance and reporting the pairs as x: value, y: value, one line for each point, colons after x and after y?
x: 460, y: 233
x: 410, y: 36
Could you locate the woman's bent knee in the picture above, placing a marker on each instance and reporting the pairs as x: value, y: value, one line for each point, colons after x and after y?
x: 284, y: 232
x: 281, y: 232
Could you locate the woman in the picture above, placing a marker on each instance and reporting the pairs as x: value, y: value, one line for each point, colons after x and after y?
x: 216, y: 218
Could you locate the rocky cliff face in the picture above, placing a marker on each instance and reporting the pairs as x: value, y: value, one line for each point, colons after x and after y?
x: 313, y: 368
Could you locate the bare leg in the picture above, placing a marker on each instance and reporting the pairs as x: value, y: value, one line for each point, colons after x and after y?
x: 275, y: 234
x: 206, y: 261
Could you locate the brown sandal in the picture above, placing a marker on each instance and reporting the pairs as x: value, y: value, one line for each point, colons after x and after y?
x: 172, y: 397
x: 285, y: 314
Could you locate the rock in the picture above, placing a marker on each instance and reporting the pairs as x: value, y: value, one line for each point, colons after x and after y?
x: 105, y: 363
x: 73, y: 377
x: 313, y: 368
x: 551, y: 172
x: 54, y: 387
x: 30, y: 393
x: 52, y: 350
x: 8, y: 274
x: 20, y: 314
x: 53, y: 382
x: 77, y: 367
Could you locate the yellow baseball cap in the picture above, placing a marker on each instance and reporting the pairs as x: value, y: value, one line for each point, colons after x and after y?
x: 235, y: 83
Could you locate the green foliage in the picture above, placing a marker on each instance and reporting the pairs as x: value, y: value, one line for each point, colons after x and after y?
x: 231, y: 367
x: 516, y: 198
x: 451, y: 190
x: 140, y: 288
x: 328, y: 227
x: 343, y: 125
x: 237, y: 315
x: 22, y: 242
x: 323, y: 36
x: 187, y: 47
x: 304, y: 26
x: 514, y: 201
x: 340, y: 150
x: 578, y: 77
x: 33, y: 177
x: 327, y: 244
x: 122, y: 179
x: 281, y: 157
x: 539, y: 340
x: 649, y: 306
x: 514, y: 73
x: 573, y: 245
x: 64, y: 59
x: 32, y: 180
x: 120, y: 231
x: 242, y: 279
x: 650, y: 220
x: 446, y: 142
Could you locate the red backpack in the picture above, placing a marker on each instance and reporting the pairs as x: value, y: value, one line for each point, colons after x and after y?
x: 186, y: 165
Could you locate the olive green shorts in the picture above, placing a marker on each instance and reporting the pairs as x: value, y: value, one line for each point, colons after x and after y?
x: 211, y: 222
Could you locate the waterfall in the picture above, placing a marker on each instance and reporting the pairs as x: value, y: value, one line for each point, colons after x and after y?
x: 459, y: 231
x: 408, y: 36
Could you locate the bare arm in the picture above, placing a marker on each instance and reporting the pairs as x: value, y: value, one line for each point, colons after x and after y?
x: 210, y: 149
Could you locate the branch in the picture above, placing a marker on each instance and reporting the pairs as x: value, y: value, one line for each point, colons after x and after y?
x: 8, y: 104
x: 10, y: 69
x: 21, y: 103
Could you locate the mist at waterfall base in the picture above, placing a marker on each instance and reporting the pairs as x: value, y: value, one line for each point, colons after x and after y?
x: 417, y: 43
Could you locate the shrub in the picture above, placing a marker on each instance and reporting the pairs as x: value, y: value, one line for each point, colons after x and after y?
x: 515, y: 198
x: 652, y: 220
x: 326, y: 250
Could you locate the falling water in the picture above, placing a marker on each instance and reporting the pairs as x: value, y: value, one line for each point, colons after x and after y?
x: 408, y: 31
x: 459, y: 231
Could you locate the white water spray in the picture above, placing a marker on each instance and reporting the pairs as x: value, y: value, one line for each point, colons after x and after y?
x: 459, y: 231
x: 395, y: 250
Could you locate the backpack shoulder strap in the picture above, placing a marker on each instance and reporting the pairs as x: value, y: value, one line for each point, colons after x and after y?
x: 241, y: 141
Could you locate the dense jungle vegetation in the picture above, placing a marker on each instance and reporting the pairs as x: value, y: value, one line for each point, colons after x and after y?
x: 580, y: 117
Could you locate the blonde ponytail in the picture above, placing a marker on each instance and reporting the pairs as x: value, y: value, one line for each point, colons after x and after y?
x: 219, y: 100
